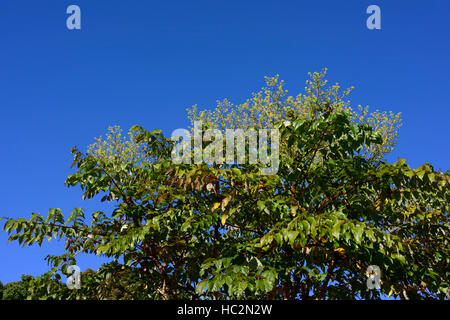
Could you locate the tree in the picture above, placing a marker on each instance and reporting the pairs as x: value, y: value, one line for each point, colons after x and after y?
x: 272, y: 104
x: 198, y: 231
x: 17, y: 290
x: 100, y: 285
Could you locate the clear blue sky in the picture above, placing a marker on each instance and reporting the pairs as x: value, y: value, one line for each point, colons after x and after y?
x: 145, y: 62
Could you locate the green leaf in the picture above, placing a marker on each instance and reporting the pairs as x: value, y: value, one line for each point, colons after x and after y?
x: 201, y: 287
x: 266, y: 239
x: 357, y: 232
x: 335, y: 232
x: 291, y: 236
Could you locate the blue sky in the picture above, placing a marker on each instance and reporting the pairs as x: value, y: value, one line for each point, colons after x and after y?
x: 145, y: 62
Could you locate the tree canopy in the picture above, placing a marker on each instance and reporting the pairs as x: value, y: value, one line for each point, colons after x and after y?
x: 310, y: 231
x: 18, y: 290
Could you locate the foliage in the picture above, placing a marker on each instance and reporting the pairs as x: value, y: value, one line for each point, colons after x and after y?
x: 193, y: 231
x: 110, y: 282
x: 16, y: 290
x: 272, y: 105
